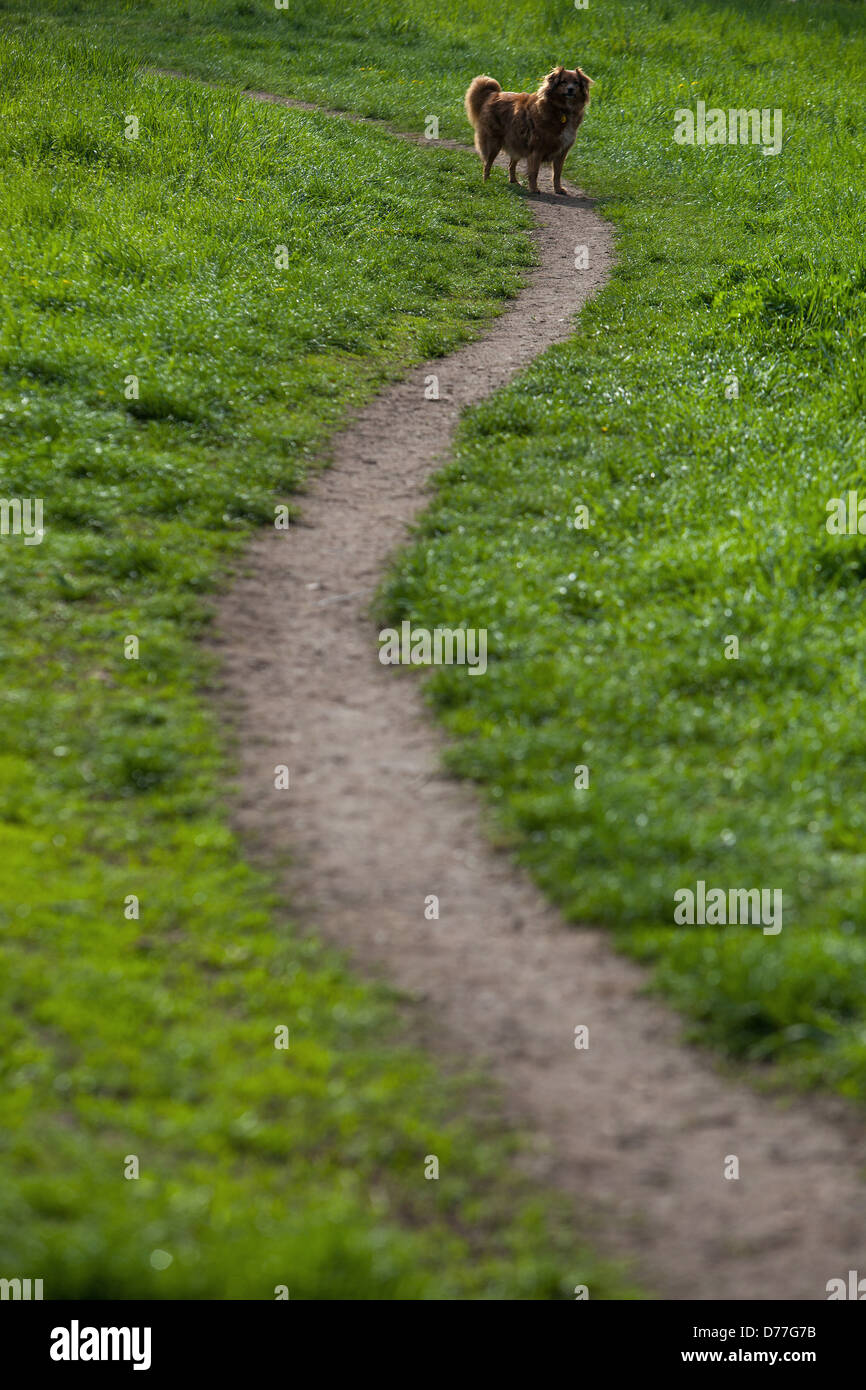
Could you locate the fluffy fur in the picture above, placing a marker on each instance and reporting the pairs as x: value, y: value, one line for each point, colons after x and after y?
x: 536, y: 126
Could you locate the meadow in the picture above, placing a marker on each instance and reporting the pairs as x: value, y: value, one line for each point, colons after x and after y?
x: 156, y: 1140
x: 707, y: 511
x: 737, y: 272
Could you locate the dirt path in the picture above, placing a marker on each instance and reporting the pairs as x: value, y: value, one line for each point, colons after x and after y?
x: 637, y: 1127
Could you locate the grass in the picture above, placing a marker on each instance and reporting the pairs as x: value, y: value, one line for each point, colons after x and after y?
x: 147, y: 968
x: 607, y: 646
x: 708, y: 511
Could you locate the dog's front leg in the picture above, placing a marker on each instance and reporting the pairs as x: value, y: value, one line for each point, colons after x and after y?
x: 512, y: 171
x: 557, y: 173
x: 532, y: 169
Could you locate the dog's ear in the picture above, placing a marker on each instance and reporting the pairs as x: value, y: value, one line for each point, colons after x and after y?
x: 587, y: 77
x: 549, y: 82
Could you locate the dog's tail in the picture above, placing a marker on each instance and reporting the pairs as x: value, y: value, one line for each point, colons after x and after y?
x: 481, y: 89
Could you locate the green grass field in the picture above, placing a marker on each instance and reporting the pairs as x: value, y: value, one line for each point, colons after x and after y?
x: 154, y: 1036
x: 707, y: 511
x: 606, y: 645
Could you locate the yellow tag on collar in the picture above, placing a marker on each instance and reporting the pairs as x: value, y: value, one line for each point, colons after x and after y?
x: 564, y: 119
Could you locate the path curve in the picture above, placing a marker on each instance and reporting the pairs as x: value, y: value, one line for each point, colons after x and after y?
x: 637, y: 1128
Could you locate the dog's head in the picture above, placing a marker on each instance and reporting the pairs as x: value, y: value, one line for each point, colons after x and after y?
x: 566, y: 88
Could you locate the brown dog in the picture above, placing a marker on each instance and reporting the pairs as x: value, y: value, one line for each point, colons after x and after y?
x: 536, y: 126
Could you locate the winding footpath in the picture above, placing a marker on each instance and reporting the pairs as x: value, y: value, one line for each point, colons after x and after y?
x: 636, y: 1128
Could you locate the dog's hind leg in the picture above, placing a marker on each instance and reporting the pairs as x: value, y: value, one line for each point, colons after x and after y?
x: 488, y: 154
